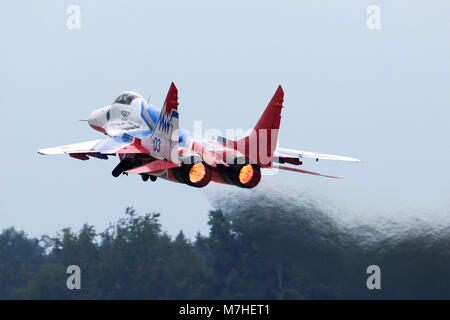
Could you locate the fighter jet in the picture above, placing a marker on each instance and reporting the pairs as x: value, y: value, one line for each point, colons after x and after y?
x: 152, y: 144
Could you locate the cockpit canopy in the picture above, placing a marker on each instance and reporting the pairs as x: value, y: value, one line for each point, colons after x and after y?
x: 126, y: 98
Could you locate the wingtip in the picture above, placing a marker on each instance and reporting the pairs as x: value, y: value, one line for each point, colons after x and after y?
x: 350, y: 159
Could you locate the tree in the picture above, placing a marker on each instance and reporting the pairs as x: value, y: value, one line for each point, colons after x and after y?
x: 20, y: 258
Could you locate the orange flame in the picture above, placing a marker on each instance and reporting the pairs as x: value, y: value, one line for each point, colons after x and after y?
x: 246, y: 174
x: 197, y: 172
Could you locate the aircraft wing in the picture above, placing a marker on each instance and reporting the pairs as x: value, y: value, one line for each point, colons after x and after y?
x: 291, y: 154
x: 112, y: 145
x: 304, y: 171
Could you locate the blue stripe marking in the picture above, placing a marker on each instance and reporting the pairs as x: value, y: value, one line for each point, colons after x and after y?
x: 163, y: 123
x: 98, y: 144
x: 142, y: 115
x: 184, y: 134
x: 153, y: 114
x: 221, y: 139
x: 127, y: 138
x: 140, y: 134
x: 113, y: 143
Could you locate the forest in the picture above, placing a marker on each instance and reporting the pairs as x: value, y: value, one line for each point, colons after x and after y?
x: 260, y: 250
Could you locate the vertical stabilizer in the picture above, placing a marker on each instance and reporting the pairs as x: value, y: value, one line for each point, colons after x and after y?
x: 166, y: 133
x: 261, y: 143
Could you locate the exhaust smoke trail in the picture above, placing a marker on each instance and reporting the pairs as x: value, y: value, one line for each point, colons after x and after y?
x: 335, y: 248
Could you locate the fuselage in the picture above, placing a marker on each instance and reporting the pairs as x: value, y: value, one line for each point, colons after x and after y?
x: 131, y: 114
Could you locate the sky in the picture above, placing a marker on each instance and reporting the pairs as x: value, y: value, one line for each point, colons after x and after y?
x: 380, y: 95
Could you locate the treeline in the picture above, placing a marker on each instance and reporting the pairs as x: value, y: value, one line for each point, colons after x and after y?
x: 134, y: 259
x: 256, y: 253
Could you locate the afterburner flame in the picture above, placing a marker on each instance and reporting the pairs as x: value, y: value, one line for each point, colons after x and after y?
x: 197, y: 172
x: 246, y: 174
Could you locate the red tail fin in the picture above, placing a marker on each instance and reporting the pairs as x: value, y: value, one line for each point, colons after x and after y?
x: 261, y: 143
x: 171, y: 102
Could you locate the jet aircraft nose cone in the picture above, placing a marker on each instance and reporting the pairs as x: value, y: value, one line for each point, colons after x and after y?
x: 98, y: 119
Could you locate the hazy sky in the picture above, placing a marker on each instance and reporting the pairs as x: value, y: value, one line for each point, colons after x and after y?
x: 379, y: 95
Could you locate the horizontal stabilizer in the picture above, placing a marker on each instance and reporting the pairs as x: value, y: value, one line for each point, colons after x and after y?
x: 154, y: 166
